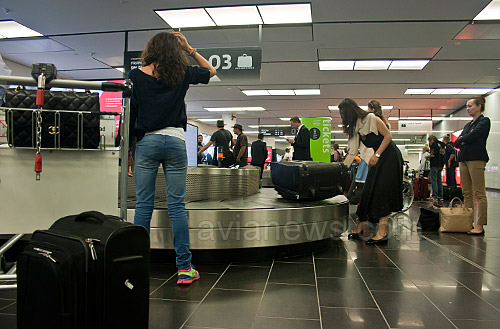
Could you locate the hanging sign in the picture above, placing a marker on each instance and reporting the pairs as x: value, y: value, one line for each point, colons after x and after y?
x: 320, y: 132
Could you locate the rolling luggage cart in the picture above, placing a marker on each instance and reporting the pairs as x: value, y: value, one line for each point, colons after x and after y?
x: 13, y: 156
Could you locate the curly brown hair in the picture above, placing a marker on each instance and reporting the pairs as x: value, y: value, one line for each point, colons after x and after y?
x: 165, y: 53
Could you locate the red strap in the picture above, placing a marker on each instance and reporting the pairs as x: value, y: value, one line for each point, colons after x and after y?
x: 40, y: 97
x: 38, y: 163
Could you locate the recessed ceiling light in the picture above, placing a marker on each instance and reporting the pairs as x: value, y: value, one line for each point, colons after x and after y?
x: 490, y: 12
x: 178, y: 18
x: 447, y: 91
x: 208, y: 120
x: 281, y: 92
x: 333, y: 108
x: 234, y: 109
x: 307, y: 92
x: 419, y: 91
x: 384, y: 107
x: 336, y: 65
x: 475, y: 91
x: 255, y: 92
x: 371, y: 65
x: 285, y: 119
x: 240, y: 15
x: 12, y: 29
x: 408, y: 64
x: 286, y: 14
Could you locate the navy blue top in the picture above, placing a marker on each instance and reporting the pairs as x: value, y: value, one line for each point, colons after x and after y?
x: 155, y: 106
x: 472, y: 140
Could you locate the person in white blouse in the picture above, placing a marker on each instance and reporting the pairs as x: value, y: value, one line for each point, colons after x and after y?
x: 383, y: 190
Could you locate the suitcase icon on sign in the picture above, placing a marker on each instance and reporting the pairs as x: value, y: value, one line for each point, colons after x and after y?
x: 244, y: 61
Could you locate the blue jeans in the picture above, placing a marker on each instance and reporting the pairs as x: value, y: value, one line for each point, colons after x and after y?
x: 436, y: 182
x: 170, y: 152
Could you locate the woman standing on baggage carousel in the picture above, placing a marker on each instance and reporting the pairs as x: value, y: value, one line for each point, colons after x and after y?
x: 158, y: 121
x: 472, y: 161
x: 383, y: 191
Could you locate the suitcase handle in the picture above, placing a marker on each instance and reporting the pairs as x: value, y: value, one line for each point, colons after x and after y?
x: 91, y: 215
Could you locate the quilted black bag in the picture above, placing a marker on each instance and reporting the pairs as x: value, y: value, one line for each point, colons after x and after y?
x: 59, y: 129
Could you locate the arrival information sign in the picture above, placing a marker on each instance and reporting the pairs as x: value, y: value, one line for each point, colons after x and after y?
x: 232, y: 64
x: 320, y: 132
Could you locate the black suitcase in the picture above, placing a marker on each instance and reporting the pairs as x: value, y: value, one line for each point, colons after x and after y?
x: 429, y: 219
x: 59, y: 129
x: 309, y: 180
x: 87, y: 271
x: 450, y: 192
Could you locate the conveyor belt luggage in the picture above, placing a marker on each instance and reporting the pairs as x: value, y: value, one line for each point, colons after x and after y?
x: 88, y: 271
x: 309, y: 180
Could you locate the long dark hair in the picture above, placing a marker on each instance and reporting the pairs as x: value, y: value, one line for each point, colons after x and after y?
x: 164, y: 51
x: 377, y: 110
x: 350, y: 112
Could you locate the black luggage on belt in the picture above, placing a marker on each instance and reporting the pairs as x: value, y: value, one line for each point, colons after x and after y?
x: 89, y: 271
x: 309, y: 180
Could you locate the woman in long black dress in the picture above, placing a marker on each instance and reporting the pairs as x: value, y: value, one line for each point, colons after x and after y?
x: 383, y: 191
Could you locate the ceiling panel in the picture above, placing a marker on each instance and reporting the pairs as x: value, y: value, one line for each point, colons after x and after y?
x: 368, y: 35
x: 299, y: 33
x: 68, y: 60
x: 480, y: 31
x: 98, y: 74
x: 387, y: 10
x: 31, y: 45
x: 470, y: 49
x: 102, y: 45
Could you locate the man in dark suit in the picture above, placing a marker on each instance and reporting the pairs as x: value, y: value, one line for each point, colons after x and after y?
x: 259, y: 153
x: 301, y: 142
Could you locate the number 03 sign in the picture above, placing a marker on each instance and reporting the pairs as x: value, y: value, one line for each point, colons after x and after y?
x: 234, y: 63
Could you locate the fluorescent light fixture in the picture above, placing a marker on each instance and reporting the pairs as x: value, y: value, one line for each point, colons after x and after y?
x: 215, y: 78
x: 411, y: 91
x: 239, y: 15
x: 255, y: 92
x: 384, y: 107
x: 251, y: 132
x: 121, y: 69
x: 307, y: 92
x: 333, y: 108
x: 447, y: 91
x: 286, y: 14
x: 285, y: 119
x: 267, y: 126
x: 490, y: 12
x: 408, y: 64
x: 234, y: 109
x: 401, y: 139
x: 336, y: 132
x: 475, y: 91
x: 281, y: 92
x: 208, y: 120
x: 340, y: 126
x: 178, y: 18
x: 339, y: 139
x: 371, y: 65
x: 336, y: 65
x: 12, y: 29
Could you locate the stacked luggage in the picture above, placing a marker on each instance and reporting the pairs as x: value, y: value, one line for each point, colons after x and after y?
x: 309, y: 180
x: 420, y: 186
x: 86, y: 271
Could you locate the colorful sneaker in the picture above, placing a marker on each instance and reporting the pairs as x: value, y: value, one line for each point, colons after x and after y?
x: 187, y: 276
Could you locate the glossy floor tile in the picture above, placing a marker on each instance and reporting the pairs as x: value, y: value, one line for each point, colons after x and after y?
x: 418, y: 280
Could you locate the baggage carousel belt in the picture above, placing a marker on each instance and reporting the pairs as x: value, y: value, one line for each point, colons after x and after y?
x: 260, y: 220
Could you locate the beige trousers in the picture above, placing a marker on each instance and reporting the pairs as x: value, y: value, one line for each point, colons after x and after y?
x: 474, y: 190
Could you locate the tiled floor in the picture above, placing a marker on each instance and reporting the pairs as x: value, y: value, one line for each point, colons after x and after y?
x: 418, y: 280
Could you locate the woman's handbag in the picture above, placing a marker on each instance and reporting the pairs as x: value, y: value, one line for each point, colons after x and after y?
x: 456, y: 219
x: 64, y: 126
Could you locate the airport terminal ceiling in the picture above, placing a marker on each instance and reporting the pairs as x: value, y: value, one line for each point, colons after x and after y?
x: 87, y: 39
